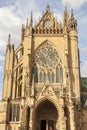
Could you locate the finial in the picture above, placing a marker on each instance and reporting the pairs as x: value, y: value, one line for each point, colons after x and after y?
x: 22, y: 27
x: 9, y: 39
x: 31, y: 19
x: 65, y: 9
x: 27, y: 23
x: 48, y: 8
x: 72, y: 15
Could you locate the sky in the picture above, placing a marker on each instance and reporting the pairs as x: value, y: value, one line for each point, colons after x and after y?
x: 13, y: 13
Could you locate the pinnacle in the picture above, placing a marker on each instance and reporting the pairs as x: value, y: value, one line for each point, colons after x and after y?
x: 9, y: 39
x: 48, y: 8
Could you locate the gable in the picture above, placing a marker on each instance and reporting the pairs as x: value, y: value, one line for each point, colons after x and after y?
x: 47, y: 91
x: 48, y: 24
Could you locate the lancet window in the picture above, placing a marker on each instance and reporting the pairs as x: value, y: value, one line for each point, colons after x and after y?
x: 15, y: 112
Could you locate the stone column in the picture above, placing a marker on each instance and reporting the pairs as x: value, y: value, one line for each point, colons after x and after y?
x: 63, y: 119
x: 72, y: 120
x: 46, y: 124
x: 30, y: 122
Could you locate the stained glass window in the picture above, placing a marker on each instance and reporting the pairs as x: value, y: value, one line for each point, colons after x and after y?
x: 40, y: 77
x: 52, y: 77
x: 57, y: 75
x: 61, y: 74
x: 49, y: 76
x: 36, y: 74
x: 44, y: 76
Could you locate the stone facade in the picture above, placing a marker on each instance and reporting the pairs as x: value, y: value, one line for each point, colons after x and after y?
x: 41, y: 88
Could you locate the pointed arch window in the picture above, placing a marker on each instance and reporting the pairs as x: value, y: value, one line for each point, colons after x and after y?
x: 14, y: 112
x: 40, y: 77
x: 44, y: 77
x: 57, y: 75
x: 49, y: 76
x: 52, y: 77
x: 61, y: 74
x: 36, y: 74
x: 19, y: 90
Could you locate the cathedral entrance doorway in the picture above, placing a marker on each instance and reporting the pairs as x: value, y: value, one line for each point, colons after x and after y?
x: 46, y: 116
x: 47, y: 125
x: 43, y: 125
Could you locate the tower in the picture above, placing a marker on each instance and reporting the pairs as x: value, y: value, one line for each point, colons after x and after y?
x: 43, y: 88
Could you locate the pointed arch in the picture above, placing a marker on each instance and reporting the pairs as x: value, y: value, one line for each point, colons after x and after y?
x: 45, y: 109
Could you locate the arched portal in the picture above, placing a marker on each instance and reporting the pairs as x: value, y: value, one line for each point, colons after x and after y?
x: 45, y: 116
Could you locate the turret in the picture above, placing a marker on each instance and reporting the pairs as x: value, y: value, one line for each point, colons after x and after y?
x: 72, y: 22
x: 73, y: 63
x: 8, y: 69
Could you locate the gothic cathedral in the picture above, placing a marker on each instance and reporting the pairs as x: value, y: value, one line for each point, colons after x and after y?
x: 42, y: 83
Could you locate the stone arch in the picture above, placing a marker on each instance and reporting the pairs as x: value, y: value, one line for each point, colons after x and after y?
x: 53, y: 101
x: 45, y: 110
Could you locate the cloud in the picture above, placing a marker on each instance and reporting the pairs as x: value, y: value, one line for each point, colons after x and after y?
x: 0, y: 94
x: 9, y: 23
x: 1, y: 68
x: 2, y: 58
x: 74, y: 3
x: 84, y: 69
x: 83, y: 50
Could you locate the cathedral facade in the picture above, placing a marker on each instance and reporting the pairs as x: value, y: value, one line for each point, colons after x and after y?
x: 41, y: 88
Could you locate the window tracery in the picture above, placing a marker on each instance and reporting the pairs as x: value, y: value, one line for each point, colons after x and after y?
x: 47, y: 56
x: 48, y: 64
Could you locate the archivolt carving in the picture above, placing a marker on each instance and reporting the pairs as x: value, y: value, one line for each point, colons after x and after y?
x: 50, y: 100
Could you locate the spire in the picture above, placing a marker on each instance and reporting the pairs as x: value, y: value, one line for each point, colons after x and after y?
x: 27, y: 23
x: 65, y: 11
x: 9, y: 39
x: 72, y: 15
x: 31, y: 20
x: 22, y: 32
x: 30, y: 26
x: 48, y: 8
x: 65, y: 16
